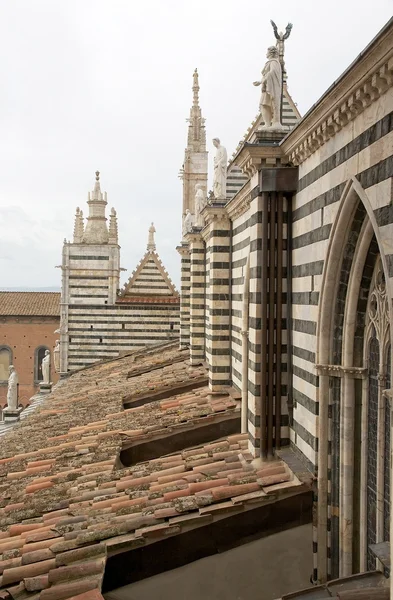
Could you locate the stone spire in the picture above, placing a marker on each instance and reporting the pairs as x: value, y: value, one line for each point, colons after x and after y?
x: 78, y: 226
x: 113, y: 232
x: 96, y: 231
x: 151, y: 244
x: 196, y: 128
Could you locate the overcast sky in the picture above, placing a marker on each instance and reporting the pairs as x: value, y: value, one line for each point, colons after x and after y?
x: 106, y: 84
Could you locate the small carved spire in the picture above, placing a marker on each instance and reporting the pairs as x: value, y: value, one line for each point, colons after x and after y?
x: 196, y: 127
x: 151, y: 244
x: 97, y: 194
x: 78, y: 226
x: 113, y: 231
x: 195, y: 88
x: 96, y: 231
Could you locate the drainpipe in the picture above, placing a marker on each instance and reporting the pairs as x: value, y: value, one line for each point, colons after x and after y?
x: 264, y: 276
x: 245, y: 313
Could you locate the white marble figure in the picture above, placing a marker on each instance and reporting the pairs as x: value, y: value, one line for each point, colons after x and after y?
x: 271, y: 83
x: 188, y: 221
x: 220, y: 171
x: 200, y: 203
x: 151, y: 243
x: 56, y: 356
x: 12, y: 393
x: 46, y: 367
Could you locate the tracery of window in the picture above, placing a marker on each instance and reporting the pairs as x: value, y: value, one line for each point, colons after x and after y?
x: 5, y: 362
x: 377, y: 354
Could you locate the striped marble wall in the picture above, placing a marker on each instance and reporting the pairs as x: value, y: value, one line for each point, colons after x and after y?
x: 322, y: 179
x: 240, y: 250
x: 217, y: 336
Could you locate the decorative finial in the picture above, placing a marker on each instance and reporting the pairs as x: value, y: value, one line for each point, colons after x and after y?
x: 97, y: 176
x: 113, y: 232
x: 195, y: 88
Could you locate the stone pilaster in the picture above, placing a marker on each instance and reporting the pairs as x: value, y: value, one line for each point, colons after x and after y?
x: 217, y: 235
x: 197, y: 297
x: 184, y: 252
x: 254, y: 329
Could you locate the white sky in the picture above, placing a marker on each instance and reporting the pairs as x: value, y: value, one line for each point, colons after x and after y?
x: 106, y: 84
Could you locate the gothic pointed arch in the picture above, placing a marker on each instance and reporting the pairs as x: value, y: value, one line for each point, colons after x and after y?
x: 354, y: 247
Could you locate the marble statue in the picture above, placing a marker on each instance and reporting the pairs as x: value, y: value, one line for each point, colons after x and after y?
x: 12, y: 393
x: 220, y: 171
x: 151, y: 244
x: 188, y: 221
x: 271, y: 82
x: 56, y: 356
x: 46, y: 367
x: 200, y: 203
x: 281, y: 37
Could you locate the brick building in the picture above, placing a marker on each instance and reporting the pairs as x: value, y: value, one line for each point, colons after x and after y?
x: 28, y: 321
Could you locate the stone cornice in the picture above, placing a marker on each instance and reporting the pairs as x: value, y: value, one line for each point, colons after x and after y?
x: 252, y: 157
x: 214, y: 215
x: 193, y: 237
x: 365, y: 80
x: 240, y: 203
x: 340, y: 371
x: 183, y: 249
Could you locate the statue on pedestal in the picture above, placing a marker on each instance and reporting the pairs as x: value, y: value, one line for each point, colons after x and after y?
x: 46, y: 367
x: 12, y: 393
x: 271, y: 82
x: 56, y: 356
x: 188, y: 221
x: 220, y: 171
x: 200, y: 203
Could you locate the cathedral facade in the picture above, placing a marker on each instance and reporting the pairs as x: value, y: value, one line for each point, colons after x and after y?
x: 287, y: 295
x: 98, y: 319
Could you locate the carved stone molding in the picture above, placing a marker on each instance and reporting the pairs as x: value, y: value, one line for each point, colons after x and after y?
x: 340, y: 371
x: 344, y: 102
x: 240, y: 202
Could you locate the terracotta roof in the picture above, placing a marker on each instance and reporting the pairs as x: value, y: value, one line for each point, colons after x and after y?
x: 66, y: 502
x: 42, y: 304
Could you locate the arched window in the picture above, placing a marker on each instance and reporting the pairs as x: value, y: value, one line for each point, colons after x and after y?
x: 38, y: 357
x: 5, y: 362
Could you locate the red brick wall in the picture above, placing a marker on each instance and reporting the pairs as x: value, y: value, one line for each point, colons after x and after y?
x: 23, y: 335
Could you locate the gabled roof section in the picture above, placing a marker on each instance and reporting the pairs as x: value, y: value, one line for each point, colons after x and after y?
x: 149, y: 279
